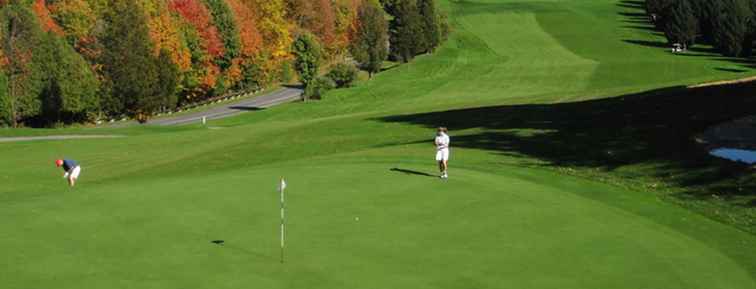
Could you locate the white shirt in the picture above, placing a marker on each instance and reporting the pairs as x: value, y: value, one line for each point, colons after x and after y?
x: 442, y: 141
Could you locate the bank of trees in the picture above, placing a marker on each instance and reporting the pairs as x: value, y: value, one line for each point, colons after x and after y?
x: 728, y: 25
x: 65, y: 61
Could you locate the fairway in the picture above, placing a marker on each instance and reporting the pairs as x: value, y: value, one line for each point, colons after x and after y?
x: 365, y: 206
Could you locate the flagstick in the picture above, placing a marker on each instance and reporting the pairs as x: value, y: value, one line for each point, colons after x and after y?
x: 283, y: 219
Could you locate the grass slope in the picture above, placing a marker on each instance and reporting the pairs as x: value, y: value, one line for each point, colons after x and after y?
x: 149, y: 204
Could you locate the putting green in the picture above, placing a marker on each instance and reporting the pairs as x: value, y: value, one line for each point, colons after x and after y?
x: 358, y: 225
x: 149, y: 204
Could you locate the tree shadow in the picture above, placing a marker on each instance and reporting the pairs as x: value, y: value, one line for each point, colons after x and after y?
x: 636, y: 18
x: 632, y: 4
x: 658, y: 44
x: 246, y: 108
x: 657, y: 128
x: 295, y: 86
x: 411, y: 172
x: 733, y: 70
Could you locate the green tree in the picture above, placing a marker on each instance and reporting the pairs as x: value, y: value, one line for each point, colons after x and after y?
x: 370, y: 46
x: 70, y: 86
x: 168, y: 79
x: 343, y: 75
x: 681, y: 24
x: 6, y: 117
x: 21, y: 37
x: 731, y: 27
x: 132, y: 72
x: 431, y: 24
x: 308, y: 53
x: 405, y: 29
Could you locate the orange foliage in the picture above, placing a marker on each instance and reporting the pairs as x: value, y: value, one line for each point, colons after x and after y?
x: 250, y: 37
x: 325, y: 28
x: 165, y: 33
x: 197, y: 14
x: 43, y: 14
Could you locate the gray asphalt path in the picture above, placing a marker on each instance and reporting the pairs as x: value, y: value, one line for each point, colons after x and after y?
x: 54, y: 137
x: 277, y: 97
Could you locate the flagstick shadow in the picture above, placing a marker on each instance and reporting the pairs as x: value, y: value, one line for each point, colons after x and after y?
x: 411, y: 172
x: 223, y: 244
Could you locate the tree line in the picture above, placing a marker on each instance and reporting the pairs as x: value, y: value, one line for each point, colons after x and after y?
x: 68, y: 61
x: 728, y: 25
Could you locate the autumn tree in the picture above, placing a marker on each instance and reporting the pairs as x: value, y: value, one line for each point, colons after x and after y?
x: 370, y: 46
x: 43, y: 15
x: 207, y: 36
x: 316, y: 16
x: 224, y: 20
x: 272, y: 25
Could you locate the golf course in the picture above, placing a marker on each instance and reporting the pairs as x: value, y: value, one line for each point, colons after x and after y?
x: 573, y: 165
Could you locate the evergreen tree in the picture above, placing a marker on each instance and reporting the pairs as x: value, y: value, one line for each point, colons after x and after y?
x: 731, y: 27
x: 370, y: 46
x: 130, y: 68
x: 70, y: 86
x: 307, y: 53
x: 431, y: 26
x: 21, y: 35
x: 681, y: 24
x: 6, y: 117
x: 168, y: 78
x: 405, y: 29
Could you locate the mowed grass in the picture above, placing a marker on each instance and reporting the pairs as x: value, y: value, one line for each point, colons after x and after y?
x: 149, y: 205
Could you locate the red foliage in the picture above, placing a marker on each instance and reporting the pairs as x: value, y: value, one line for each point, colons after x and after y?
x: 326, y: 28
x: 198, y: 16
x: 43, y: 14
x: 250, y: 36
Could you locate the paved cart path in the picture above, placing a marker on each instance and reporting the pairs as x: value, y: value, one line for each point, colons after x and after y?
x: 274, y: 98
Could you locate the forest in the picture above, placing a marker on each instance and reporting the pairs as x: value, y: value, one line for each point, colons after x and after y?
x: 80, y: 61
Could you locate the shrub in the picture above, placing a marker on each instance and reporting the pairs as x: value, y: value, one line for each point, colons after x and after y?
x: 318, y: 87
x: 307, y: 52
x: 287, y: 72
x: 343, y: 75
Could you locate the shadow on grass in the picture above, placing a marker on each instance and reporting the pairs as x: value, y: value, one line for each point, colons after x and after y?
x: 637, y: 19
x: 632, y: 4
x: 656, y: 130
x: 246, y: 108
x: 733, y: 70
x: 411, y: 172
x: 658, y: 44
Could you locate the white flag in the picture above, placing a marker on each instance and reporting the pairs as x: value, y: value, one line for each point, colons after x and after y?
x: 282, y: 185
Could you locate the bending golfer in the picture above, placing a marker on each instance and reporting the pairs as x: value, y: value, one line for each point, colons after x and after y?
x: 442, y: 151
x: 71, y: 169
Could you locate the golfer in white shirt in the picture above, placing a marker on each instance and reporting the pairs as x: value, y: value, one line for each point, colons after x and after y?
x: 442, y: 151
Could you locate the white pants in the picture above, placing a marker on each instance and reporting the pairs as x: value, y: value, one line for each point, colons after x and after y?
x: 73, y: 174
x: 442, y: 155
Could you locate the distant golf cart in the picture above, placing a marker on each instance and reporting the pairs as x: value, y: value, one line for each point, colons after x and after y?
x: 678, y: 48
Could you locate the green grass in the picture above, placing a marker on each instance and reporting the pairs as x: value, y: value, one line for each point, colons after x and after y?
x: 552, y: 183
